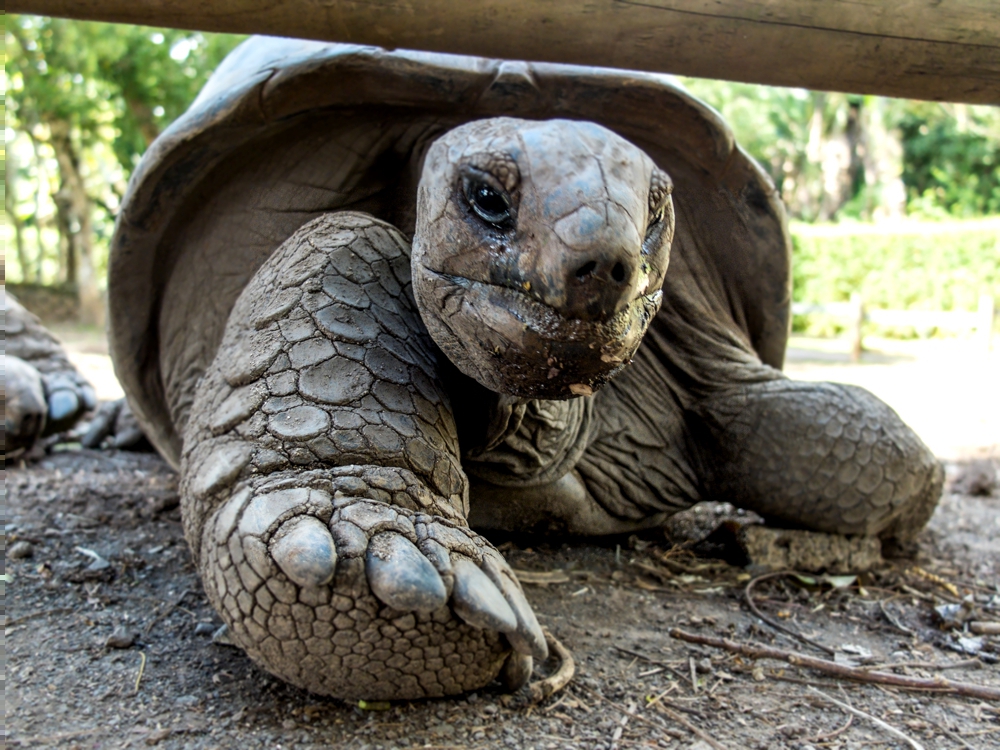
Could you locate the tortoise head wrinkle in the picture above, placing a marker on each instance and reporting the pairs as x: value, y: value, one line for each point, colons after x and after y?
x: 539, y: 252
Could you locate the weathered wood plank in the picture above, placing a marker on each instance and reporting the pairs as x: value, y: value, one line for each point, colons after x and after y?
x: 927, y: 49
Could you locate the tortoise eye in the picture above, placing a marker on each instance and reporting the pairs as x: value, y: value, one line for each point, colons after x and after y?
x: 490, y: 202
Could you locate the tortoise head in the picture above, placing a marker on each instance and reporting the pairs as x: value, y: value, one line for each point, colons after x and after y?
x: 539, y: 252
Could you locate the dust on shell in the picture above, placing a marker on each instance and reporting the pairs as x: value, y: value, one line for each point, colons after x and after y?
x: 514, y: 344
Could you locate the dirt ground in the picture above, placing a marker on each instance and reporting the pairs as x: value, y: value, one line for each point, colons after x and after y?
x: 108, y: 637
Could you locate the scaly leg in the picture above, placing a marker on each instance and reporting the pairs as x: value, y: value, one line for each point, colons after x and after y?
x: 322, y: 492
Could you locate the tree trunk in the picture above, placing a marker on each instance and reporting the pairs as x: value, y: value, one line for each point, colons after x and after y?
x: 75, y: 211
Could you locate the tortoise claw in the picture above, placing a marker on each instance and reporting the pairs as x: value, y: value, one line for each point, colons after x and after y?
x: 478, y: 601
x: 305, y: 552
x: 63, y: 404
x: 516, y: 671
x: 528, y: 637
x: 401, y: 576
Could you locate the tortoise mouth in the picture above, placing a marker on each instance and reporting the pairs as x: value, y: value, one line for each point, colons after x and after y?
x: 512, y: 343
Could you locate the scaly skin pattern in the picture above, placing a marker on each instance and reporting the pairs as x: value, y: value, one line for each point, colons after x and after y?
x: 43, y: 393
x: 328, y: 451
x: 322, y: 490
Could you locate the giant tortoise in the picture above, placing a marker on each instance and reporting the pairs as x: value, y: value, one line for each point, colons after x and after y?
x: 371, y: 303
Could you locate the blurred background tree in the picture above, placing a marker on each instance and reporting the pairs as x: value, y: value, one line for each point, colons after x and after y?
x: 83, y: 101
x: 86, y: 100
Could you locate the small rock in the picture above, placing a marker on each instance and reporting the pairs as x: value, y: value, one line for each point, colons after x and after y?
x: 288, y: 724
x: 187, y: 700
x: 20, y: 550
x: 221, y: 637
x: 970, y: 646
x: 120, y: 638
x: 952, y: 616
x: 978, y: 478
x: 704, y: 666
x: 158, y: 736
x: 205, y: 628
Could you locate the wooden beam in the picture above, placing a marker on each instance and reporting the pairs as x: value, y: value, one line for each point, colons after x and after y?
x: 946, y: 50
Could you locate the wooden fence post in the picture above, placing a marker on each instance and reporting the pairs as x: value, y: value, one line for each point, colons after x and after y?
x: 857, y: 320
x: 984, y: 326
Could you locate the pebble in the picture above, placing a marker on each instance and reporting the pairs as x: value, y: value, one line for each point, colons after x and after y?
x: 20, y: 550
x: 221, y: 637
x: 120, y: 638
x: 205, y: 628
x: 188, y: 700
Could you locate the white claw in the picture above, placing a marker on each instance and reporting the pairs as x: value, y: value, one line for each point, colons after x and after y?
x: 477, y: 601
x: 303, y: 548
x: 401, y: 576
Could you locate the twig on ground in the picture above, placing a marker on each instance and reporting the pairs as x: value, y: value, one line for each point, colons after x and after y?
x: 823, y: 736
x: 170, y: 608
x: 748, y: 595
x: 651, y: 660
x: 636, y: 716
x: 142, y: 668
x: 36, y: 615
x: 875, y: 720
x: 893, y: 621
x: 700, y: 733
x: 542, y: 689
x: 620, y: 729
x: 851, y: 673
x: 956, y: 737
x: 964, y: 664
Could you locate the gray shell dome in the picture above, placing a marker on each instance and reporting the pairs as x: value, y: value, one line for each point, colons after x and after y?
x: 286, y: 130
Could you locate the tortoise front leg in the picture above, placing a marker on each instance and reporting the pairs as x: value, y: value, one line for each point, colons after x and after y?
x: 322, y: 492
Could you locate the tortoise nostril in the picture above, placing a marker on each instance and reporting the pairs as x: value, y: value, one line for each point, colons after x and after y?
x: 585, y: 270
x: 618, y: 272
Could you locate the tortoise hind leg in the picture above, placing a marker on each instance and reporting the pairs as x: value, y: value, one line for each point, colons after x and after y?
x: 321, y: 489
x: 822, y: 456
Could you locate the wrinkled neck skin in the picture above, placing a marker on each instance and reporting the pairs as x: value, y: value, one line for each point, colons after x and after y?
x: 539, y: 253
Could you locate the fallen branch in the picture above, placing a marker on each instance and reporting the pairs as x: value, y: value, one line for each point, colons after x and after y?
x: 748, y: 595
x: 753, y: 651
x: 873, y: 719
x: 542, y: 689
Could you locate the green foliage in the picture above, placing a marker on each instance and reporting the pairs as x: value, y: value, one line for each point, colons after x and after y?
x: 952, y: 163
x: 943, y: 158
x: 132, y: 78
x: 919, y: 266
x: 84, y: 102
